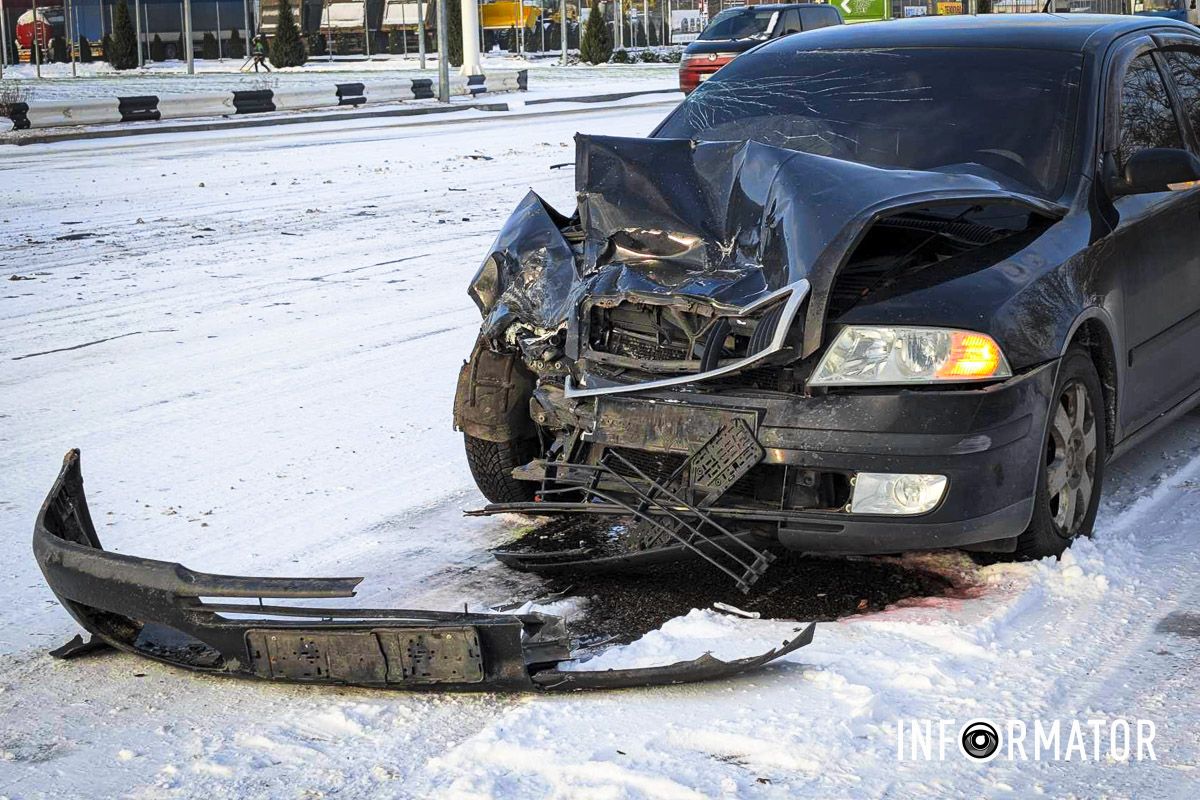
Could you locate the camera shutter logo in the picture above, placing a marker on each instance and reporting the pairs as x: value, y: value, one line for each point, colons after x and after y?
x: 979, y: 739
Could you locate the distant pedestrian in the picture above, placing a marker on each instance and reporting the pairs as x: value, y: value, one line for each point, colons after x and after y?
x: 258, y: 53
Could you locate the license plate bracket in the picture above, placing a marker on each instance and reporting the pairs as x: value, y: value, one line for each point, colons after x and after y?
x: 662, y: 427
x: 724, y: 459
x: 381, y: 656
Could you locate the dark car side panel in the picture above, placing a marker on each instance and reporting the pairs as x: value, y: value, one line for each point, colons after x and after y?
x: 1155, y: 244
x: 1027, y: 301
x: 1140, y: 278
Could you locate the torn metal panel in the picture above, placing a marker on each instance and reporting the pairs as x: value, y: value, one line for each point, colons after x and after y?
x: 161, y: 610
x: 768, y: 216
x: 529, y: 274
x: 709, y: 233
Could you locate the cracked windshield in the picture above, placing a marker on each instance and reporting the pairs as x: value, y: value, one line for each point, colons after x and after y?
x: 900, y: 108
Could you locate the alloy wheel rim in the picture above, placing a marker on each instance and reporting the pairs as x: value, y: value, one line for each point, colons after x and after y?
x: 1071, y: 458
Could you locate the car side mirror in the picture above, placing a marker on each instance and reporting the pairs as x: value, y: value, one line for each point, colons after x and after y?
x: 1158, y: 169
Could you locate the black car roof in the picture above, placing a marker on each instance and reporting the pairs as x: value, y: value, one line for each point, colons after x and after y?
x: 1036, y: 31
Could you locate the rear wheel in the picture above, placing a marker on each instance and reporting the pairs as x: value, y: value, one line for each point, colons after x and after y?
x: 1072, y: 468
x: 492, y: 464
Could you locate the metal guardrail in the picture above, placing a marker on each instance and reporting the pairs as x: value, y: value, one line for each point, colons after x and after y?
x: 151, y: 108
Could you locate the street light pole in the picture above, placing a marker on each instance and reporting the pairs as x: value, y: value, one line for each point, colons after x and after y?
x: 420, y: 31
x: 366, y: 33
x: 37, y: 40
x: 562, y: 29
x: 443, y: 54
x: 220, y: 52
x: 187, y: 37
x: 72, y: 37
x: 328, y: 35
x: 137, y: 23
x: 3, y: 39
x: 470, y: 38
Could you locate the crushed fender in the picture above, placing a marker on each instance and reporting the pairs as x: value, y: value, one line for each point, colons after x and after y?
x: 169, y: 613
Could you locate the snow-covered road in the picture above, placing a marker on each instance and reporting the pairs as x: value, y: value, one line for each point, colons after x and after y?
x: 253, y: 337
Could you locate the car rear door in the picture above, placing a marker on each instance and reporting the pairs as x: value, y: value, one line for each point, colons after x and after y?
x: 819, y: 17
x: 1156, y: 243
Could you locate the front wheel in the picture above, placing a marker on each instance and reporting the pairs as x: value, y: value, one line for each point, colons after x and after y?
x: 492, y: 464
x: 1072, y: 468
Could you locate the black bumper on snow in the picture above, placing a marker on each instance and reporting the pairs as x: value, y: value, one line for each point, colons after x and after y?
x: 987, y: 441
x: 167, y: 612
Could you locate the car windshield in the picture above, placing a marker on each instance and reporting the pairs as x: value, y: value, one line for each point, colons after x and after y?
x: 738, y: 23
x: 1006, y: 114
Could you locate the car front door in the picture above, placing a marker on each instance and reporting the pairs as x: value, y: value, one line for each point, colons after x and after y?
x: 1156, y: 244
x: 789, y: 23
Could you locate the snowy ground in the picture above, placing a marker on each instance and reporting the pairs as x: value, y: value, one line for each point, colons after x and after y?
x: 100, y: 80
x: 277, y: 318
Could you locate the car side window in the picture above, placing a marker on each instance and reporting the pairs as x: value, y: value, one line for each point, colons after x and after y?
x: 1185, y: 70
x: 817, y: 18
x: 791, y: 22
x: 1146, y: 116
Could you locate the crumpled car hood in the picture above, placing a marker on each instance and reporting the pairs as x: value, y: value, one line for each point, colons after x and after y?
x: 727, y: 222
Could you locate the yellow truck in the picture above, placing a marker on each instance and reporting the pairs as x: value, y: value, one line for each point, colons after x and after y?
x: 508, y: 14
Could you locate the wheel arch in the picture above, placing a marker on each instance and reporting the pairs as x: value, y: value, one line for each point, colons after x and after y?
x: 1093, y: 331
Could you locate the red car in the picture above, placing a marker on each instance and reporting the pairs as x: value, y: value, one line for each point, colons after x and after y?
x: 736, y: 30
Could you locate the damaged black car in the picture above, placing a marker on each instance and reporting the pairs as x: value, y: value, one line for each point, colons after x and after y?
x: 868, y: 290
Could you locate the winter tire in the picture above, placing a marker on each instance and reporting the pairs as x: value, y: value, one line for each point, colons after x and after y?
x: 492, y: 464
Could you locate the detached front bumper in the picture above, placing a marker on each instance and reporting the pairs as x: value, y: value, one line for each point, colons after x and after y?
x: 169, y: 613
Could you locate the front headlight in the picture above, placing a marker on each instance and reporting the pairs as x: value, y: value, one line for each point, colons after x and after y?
x: 872, y: 356
x: 485, y: 285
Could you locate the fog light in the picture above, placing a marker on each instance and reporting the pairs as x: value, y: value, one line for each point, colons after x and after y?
x: 889, y: 493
